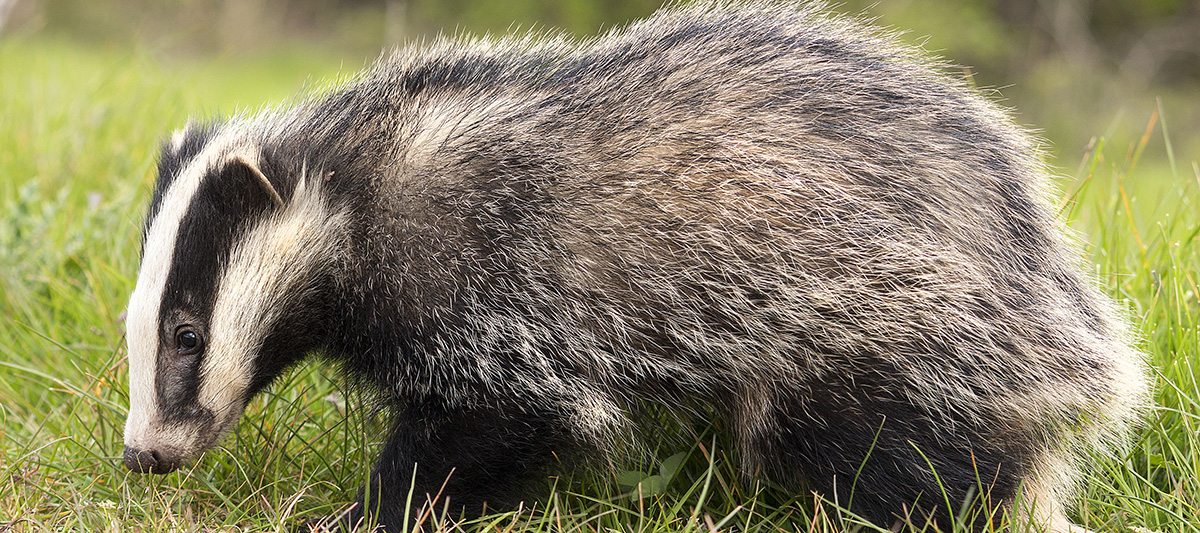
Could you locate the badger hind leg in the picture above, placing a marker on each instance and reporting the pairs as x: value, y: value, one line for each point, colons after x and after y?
x: 885, y: 459
x: 463, y: 459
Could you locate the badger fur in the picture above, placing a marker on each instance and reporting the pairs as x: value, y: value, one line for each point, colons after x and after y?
x: 757, y: 211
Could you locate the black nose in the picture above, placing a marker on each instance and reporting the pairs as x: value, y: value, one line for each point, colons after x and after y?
x: 147, y: 461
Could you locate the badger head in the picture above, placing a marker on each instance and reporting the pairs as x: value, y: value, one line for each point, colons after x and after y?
x: 229, y: 292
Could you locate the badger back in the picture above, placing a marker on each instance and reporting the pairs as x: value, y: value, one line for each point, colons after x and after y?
x: 232, y: 252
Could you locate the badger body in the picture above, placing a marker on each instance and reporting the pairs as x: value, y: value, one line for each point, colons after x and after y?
x: 760, y: 212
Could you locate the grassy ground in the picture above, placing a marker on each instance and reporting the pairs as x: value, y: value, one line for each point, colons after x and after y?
x: 78, y: 134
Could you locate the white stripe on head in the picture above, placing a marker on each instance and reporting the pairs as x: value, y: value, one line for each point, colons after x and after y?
x: 142, y: 317
x: 267, y: 269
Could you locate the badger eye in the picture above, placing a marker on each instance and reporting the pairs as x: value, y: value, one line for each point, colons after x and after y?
x: 188, y: 341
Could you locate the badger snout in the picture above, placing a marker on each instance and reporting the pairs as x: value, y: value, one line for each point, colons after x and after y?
x: 150, y: 461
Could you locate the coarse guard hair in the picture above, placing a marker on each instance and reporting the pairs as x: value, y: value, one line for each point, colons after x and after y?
x: 755, y: 211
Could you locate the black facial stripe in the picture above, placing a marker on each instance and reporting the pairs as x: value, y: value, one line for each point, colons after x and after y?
x: 227, y: 203
x: 172, y: 161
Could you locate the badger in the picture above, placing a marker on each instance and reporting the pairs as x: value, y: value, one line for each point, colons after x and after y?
x: 758, y: 212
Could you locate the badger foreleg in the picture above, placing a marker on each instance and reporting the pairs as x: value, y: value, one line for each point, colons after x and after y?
x: 456, y: 461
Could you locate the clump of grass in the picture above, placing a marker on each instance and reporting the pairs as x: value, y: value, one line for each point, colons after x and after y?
x: 77, y: 147
x: 1145, y: 246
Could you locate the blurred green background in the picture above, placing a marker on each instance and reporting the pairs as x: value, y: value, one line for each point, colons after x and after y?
x: 1073, y: 69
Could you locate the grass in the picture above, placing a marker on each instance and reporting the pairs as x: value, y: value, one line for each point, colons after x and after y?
x: 78, y: 134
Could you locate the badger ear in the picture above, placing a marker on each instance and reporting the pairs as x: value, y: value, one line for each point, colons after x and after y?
x: 246, y: 164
